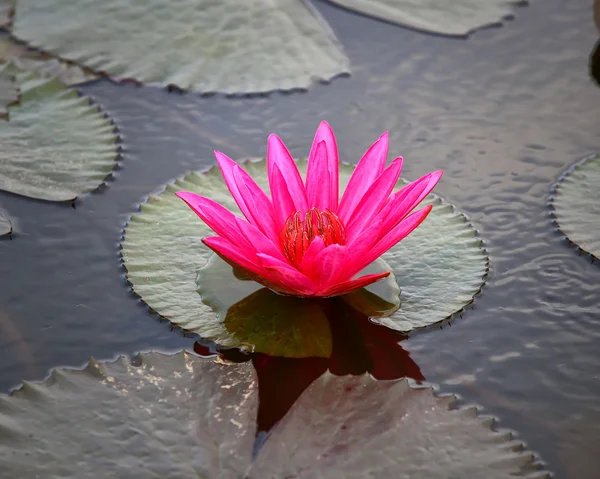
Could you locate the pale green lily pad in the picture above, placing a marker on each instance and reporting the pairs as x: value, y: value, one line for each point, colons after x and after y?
x: 56, y: 145
x: 182, y: 416
x: 228, y: 46
x: 439, y: 267
x: 576, y: 203
x: 455, y: 18
x: 43, y: 64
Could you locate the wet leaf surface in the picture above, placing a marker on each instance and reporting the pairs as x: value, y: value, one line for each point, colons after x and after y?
x: 576, y: 204
x: 455, y: 18
x: 56, y: 145
x: 183, y: 416
x: 201, y: 45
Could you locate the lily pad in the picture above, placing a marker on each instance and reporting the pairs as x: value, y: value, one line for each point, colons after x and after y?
x: 5, y: 224
x: 456, y: 18
x: 202, y: 45
x: 575, y: 200
x: 183, y: 416
x: 439, y: 267
x: 57, y: 145
x: 43, y: 64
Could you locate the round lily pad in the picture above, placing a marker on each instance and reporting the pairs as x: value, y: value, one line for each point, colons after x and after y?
x: 229, y: 46
x: 456, y: 18
x: 184, y: 416
x: 439, y: 267
x: 56, y: 144
x: 575, y: 200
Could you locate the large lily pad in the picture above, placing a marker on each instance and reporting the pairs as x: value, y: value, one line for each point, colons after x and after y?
x: 439, y: 267
x: 202, y: 45
x: 43, y: 64
x: 575, y: 200
x: 456, y: 18
x: 183, y: 416
x: 56, y: 145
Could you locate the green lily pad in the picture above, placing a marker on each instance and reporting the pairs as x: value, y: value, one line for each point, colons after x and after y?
x: 183, y: 416
x: 456, y: 18
x: 56, y: 145
x: 43, y: 64
x: 203, y: 45
x: 439, y: 267
x: 262, y: 321
x: 575, y: 200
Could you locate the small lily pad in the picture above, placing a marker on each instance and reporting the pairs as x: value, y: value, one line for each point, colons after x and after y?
x: 439, y: 267
x: 5, y: 224
x: 56, y: 145
x: 202, y: 45
x: 183, y: 416
x: 456, y: 18
x: 575, y: 200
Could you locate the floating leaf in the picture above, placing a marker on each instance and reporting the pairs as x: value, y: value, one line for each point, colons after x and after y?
x: 56, y: 145
x: 576, y: 203
x: 183, y: 416
x: 202, y: 45
x: 439, y: 267
x: 43, y: 64
x: 457, y: 18
x: 9, y: 93
x: 5, y: 224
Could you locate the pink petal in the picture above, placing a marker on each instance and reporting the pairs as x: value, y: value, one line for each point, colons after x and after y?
x: 233, y: 255
x: 252, y: 201
x: 278, y: 157
x: 397, y: 234
x: 368, y: 169
x: 258, y: 241
x: 329, y: 263
x: 308, y: 260
x: 318, y: 179
x: 219, y: 219
x: 351, y: 285
x: 373, y: 200
x: 404, y: 201
x: 283, y: 203
x: 290, y: 278
x: 325, y: 133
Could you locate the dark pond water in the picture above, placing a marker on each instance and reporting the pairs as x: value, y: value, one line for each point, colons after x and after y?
x: 503, y: 113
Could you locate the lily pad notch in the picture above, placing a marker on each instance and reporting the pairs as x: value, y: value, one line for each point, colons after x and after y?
x: 439, y: 268
x: 574, y: 203
x: 44, y: 428
x: 56, y: 144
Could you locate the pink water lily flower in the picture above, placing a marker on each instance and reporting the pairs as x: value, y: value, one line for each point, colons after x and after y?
x: 304, y: 240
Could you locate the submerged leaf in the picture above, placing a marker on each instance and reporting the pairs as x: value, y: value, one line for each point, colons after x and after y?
x: 456, y: 18
x: 438, y: 268
x: 202, y: 45
x: 56, y: 145
x: 576, y: 203
x: 183, y: 416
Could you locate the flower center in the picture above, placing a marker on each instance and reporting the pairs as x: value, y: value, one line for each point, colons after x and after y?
x: 298, y: 232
